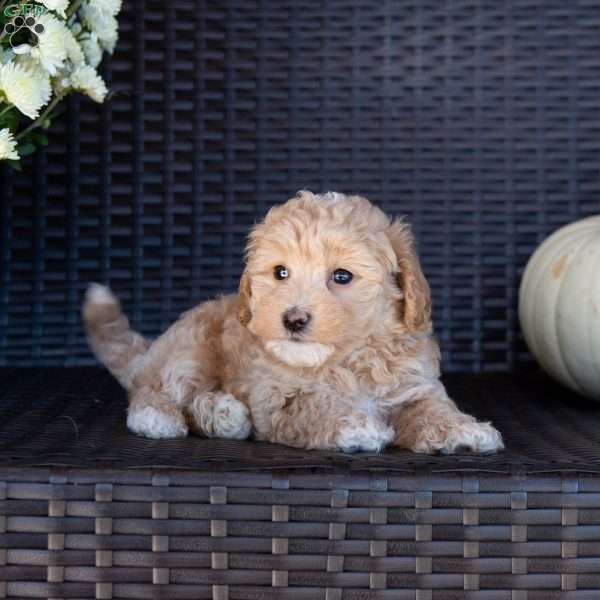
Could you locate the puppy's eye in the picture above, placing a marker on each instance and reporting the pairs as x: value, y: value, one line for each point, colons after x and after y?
x: 342, y: 276
x: 281, y: 272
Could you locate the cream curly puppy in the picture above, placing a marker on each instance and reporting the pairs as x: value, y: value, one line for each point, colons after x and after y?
x: 327, y: 345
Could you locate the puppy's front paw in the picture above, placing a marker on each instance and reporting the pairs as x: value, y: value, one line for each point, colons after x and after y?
x: 363, y: 434
x: 462, y: 435
x: 156, y: 424
x: 231, y: 418
x: 220, y: 415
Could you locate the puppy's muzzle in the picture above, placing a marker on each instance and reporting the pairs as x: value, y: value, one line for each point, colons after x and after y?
x: 296, y: 320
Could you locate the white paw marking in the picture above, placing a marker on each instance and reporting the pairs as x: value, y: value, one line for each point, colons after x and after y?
x: 470, y: 436
x: 99, y: 294
x: 231, y: 419
x: 366, y: 436
x: 155, y: 424
x: 479, y: 437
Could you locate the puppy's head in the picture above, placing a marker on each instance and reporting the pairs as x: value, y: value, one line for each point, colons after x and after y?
x: 324, y: 272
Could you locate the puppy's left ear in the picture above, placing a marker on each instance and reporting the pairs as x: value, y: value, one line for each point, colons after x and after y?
x: 415, y: 308
x: 244, y: 312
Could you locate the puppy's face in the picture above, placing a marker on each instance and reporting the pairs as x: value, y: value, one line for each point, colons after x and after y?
x: 322, y: 274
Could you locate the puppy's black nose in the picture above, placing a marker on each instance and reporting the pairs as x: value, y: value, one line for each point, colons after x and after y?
x: 295, y: 319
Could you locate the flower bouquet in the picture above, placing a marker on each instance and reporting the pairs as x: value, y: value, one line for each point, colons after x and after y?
x: 48, y: 49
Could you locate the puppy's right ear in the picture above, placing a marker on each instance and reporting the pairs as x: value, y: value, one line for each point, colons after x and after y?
x: 244, y: 313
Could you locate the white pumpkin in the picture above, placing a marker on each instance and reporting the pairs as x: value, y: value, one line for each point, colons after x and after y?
x: 559, y: 306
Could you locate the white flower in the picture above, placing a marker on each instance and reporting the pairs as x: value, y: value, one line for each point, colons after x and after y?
x: 103, y: 24
x: 110, y: 7
x: 8, y: 145
x: 51, y: 51
x: 86, y: 80
x: 92, y: 50
x: 58, y: 6
x: 61, y: 84
x: 27, y: 88
x: 74, y: 51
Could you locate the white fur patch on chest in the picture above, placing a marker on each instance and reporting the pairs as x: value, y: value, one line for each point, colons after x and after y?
x: 299, y: 354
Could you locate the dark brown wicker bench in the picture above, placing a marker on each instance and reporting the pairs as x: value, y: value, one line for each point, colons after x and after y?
x: 90, y: 511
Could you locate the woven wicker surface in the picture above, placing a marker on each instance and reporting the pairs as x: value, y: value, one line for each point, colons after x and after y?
x: 141, y: 534
x: 247, y: 521
x: 479, y: 120
x: 77, y: 417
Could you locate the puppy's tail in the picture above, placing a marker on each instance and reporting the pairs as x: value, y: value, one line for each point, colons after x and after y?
x: 115, y: 345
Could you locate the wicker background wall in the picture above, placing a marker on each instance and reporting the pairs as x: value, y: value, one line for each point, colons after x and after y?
x: 479, y: 120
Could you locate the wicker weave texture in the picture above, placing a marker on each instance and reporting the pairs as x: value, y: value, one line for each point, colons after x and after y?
x: 301, y: 536
x: 478, y: 120
x: 76, y: 417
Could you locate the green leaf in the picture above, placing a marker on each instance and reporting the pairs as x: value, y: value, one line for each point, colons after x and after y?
x: 15, y: 164
x: 26, y: 149
x: 11, y: 120
x: 39, y: 139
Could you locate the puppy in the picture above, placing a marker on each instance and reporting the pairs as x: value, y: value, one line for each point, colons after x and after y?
x: 327, y: 345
